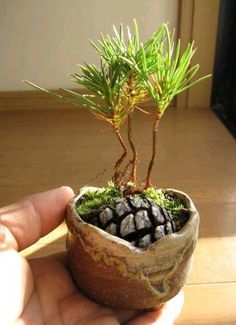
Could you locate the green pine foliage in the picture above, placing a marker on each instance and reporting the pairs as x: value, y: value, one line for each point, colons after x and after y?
x: 131, y: 72
x: 156, y: 69
x: 172, y: 72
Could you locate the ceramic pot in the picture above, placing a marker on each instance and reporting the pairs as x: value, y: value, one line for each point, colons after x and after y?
x: 114, y: 273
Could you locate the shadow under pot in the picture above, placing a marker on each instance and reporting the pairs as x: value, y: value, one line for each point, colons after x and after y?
x: 115, y: 273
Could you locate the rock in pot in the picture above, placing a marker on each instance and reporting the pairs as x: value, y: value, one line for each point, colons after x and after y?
x: 115, y: 273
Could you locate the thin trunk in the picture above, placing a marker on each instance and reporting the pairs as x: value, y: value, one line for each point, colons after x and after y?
x: 116, y: 176
x: 133, y: 176
x: 154, y: 149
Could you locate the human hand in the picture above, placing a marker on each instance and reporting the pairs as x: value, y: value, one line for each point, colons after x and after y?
x: 41, y: 291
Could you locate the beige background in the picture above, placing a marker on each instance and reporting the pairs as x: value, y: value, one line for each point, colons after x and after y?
x: 42, y: 41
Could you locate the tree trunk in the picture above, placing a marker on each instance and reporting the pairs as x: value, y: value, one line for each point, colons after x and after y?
x: 133, y: 176
x: 154, y: 149
x: 116, y: 176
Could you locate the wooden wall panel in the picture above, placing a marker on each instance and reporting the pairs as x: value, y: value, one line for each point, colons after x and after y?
x: 185, y: 34
x: 21, y: 100
x: 198, y: 20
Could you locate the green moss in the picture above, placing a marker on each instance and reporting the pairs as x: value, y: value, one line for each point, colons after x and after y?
x: 94, y: 199
x: 166, y: 200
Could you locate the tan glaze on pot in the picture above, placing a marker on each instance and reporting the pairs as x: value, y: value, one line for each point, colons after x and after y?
x: 114, y: 273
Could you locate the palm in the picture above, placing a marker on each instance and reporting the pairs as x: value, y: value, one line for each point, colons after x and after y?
x: 56, y: 300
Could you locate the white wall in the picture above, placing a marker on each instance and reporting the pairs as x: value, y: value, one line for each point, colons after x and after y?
x: 43, y: 40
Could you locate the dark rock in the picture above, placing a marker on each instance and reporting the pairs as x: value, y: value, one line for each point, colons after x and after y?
x: 157, y: 214
x: 142, y: 220
x: 127, y: 225
x: 112, y: 229
x: 159, y: 232
x: 145, y: 241
x: 94, y: 220
x: 138, y: 203
x: 166, y: 214
x: 122, y: 208
x: 135, y: 220
x: 168, y: 228
x: 105, y: 216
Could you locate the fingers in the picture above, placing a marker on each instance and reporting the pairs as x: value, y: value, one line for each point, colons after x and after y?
x: 171, y: 310
x: 60, y: 300
x: 16, y: 285
x: 166, y: 315
x: 23, y: 223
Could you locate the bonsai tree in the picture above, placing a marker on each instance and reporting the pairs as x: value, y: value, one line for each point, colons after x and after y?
x: 131, y: 73
x: 130, y: 244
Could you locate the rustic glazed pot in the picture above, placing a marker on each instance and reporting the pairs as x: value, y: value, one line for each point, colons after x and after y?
x: 114, y: 273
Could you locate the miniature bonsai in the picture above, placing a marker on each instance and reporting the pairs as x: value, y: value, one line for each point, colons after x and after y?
x: 134, y: 213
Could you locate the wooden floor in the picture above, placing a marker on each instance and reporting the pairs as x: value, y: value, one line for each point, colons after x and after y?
x: 44, y: 149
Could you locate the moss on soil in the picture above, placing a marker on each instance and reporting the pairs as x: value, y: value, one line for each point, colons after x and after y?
x: 93, y: 199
